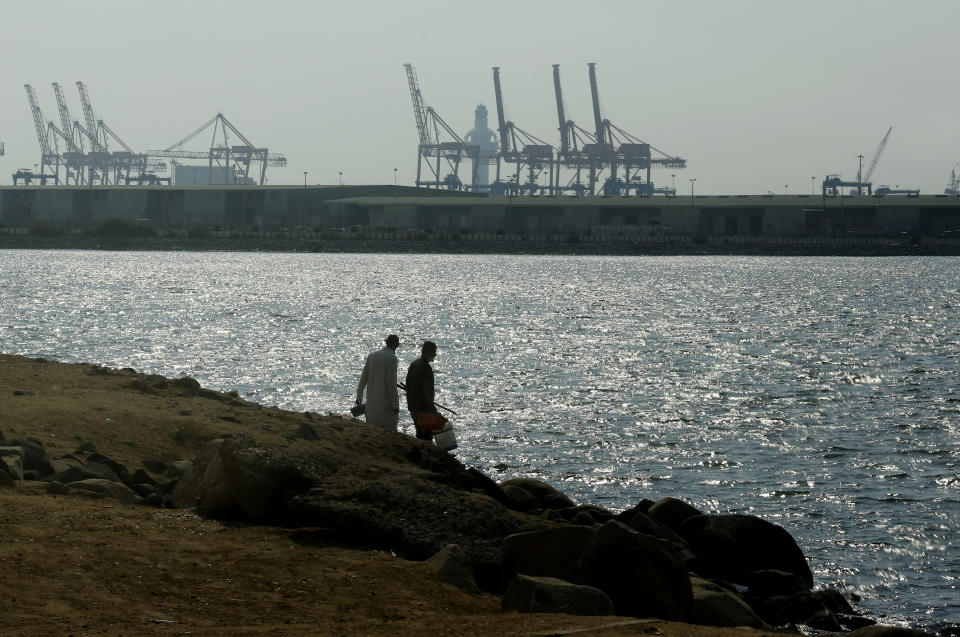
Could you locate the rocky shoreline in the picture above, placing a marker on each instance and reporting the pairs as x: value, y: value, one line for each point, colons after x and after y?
x: 164, y: 444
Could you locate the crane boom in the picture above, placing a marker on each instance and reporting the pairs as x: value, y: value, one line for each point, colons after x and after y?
x: 502, y: 125
x: 38, y: 120
x: 65, y: 120
x: 418, y: 110
x: 876, y: 155
x: 595, y: 95
x: 561, y: 115
x: 90, y: 119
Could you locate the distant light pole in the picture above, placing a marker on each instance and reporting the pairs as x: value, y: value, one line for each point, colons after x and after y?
x: 860, y: 176
x: 691, y: 190
x: 812, y: 180
x: 394, y: 176
x: 674, y: 184
x: 785, y: 189
x: 340, y: 177
x: 304, y: 199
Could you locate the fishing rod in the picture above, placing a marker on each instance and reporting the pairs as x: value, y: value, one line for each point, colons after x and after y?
x: 404, y: 388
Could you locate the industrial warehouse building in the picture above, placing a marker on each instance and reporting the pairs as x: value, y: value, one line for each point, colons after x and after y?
x: 399, y: 208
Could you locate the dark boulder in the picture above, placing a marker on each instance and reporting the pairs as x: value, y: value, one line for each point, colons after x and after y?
x: 107, y: 489
x: 672, y: 512
x: 545, y: 495
x: 804, y: 608
x: 551, y: 553
x: 520, y: 498
x: 644, y: 576
x: 593, y: 513
x: 452, y: 565
x: 529, y: 594
x: 91, y: 470
x: 714, y: 605
x: 122, y: 473
x: 731, y: 546
x: 35, y: 457
x: 11, y: 463
x: 648, y: 526
x: 641, y: 507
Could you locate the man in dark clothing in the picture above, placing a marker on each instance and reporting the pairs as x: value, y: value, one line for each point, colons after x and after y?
x: 420, y: 387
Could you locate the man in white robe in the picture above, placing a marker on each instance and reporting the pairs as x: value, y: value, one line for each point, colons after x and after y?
x: 379, y: 378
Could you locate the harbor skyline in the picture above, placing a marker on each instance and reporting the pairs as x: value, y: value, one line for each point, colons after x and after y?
x: 758, y: 97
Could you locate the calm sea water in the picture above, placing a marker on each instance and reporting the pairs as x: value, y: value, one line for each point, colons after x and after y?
x: 819, y: 393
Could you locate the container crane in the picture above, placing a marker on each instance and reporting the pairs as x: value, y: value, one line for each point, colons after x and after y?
x: 438, y: 144
x: 530, y: 154
x: 74, y: 156
x: 614, y: 147
x: 573, y: 139
x: 49, y: 151
x: 233, y: 160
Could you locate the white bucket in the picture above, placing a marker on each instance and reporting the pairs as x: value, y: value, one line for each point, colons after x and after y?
x: 445, y: 438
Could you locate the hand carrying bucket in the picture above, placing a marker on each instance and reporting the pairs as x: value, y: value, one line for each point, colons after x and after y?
x: 445, y: 438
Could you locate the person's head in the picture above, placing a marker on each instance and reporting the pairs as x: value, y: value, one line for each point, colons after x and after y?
x: 429, y: 350
x: 393, y: 341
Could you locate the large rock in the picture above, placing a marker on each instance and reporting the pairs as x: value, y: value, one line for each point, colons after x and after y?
x: 551, y: 553
x: 123, y: 474
x: 91, y: 470
x: 108, y: 489
x: 643, y: 523
x: 717, y: 606
x: 412, y: 513
x: 204, y: 484
x: 452, y: 565
x: 11, y: 462
x: 545, y: 496
x: 528, y: 594
x: 35, y: 457
x: 672, y: 513
x: 644, y: 576
x: 731, y: 546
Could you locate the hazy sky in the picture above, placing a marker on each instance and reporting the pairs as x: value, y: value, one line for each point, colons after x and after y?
x: 757, y: 95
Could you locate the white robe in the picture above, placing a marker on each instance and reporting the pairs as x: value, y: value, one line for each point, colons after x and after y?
x: 379, y: 377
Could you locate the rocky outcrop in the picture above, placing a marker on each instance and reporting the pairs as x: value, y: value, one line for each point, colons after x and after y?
x: 524, y: 538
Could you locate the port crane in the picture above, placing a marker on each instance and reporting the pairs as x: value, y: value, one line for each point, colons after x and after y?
x: 440, y: 148
x: 86, y: 157
x: 530, y: 154
x: 832, y: 184
x: 615, y: 148
x: 233, y: 160
x: 49, y: 149
x: 572, y: 141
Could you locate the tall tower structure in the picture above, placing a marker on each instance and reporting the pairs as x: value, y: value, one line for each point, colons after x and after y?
x: 489, y: 144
